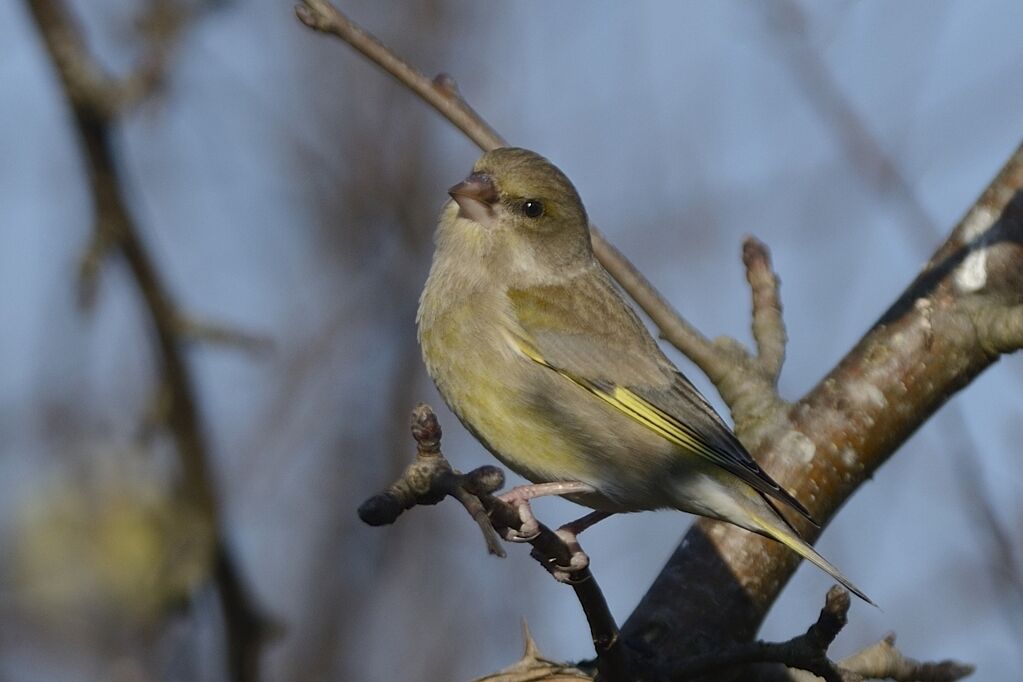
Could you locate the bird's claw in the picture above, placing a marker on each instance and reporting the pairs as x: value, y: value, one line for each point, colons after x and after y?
x: 570, y: 574
x: 577, y: 563
x: 528, y: 529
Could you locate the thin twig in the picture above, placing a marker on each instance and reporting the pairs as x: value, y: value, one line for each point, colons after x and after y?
x: 808, y: 651
x: 768, y: 325
x: 441, y: 94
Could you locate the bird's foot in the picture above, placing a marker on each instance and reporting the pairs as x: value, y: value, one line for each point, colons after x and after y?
x: 578, y: 561
x: 529, y: 527
x: 519, y: 498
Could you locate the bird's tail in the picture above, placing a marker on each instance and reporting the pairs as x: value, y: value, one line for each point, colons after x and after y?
x: 777, y: 529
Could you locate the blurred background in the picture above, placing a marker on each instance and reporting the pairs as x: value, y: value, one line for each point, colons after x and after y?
x: 285, y: 187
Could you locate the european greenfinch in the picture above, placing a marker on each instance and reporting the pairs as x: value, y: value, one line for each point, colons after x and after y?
x: 540, y: 357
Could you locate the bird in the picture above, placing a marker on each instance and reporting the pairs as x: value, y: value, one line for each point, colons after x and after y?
x: 535, y: 351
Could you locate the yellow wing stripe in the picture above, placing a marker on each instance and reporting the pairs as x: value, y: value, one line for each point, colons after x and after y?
x: 645, y: 413
x: 630, y: 404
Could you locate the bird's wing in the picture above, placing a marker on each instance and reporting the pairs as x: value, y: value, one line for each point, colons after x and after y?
x: 609, y: 353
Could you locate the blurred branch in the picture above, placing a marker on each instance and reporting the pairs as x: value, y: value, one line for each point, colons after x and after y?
x: 89, y: 88
x: 859, y: 144
x: 215, y: 333
x: 96, y: 100
x: 430, y: 478
x: 999, y: 540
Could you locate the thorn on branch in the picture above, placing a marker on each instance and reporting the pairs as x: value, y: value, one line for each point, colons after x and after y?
x: 534, y: 667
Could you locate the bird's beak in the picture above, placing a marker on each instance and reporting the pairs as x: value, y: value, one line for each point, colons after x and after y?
x: 476, y: 197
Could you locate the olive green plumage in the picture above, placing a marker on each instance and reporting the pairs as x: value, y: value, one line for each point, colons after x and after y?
x: 540, y: 357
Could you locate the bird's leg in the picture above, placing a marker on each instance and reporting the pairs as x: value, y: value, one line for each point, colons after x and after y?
x: 569, y: 534
x: 519, y: 498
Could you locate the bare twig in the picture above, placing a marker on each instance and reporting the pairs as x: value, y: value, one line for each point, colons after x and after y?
x: 768, y: 325
x: 808, y: 651
x: 430, y: 478
x: 441, y: 94
x: 95, y: 100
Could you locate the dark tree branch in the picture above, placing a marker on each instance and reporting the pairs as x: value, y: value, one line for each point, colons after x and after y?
x: 430, y: 478
x: 96, y: 100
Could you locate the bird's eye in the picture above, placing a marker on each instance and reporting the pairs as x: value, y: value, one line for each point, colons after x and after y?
x: 531, y: 208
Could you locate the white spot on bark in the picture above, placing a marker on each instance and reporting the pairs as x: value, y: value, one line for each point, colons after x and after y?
x: 849, y: 458
x: 977, y: 222
x: 801, y: 447
x: 867, y: 394
x: 972, y: 274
